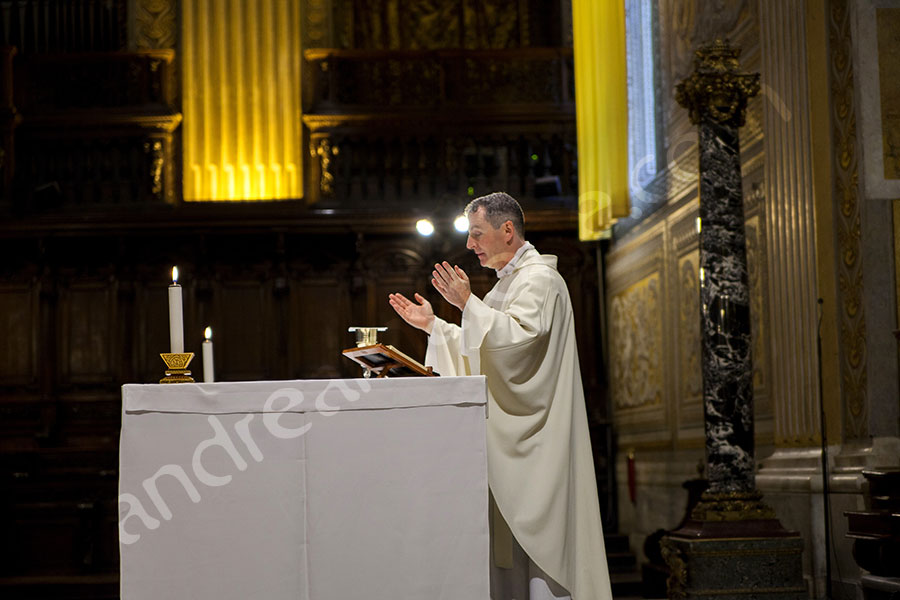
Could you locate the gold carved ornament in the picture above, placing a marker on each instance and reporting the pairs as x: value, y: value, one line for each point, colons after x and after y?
x: 677, y: 581
x: 846, y: 186
x: 154, y: 149
x: 716, y: 89
x: 324, y: 150
x: 731, y: 506
x: 156, y: 24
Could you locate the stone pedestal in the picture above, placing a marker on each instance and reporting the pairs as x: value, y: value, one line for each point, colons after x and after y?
x: 738, y: 568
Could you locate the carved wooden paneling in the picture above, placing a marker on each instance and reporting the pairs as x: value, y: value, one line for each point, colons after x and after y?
x: 18, y: 333
x: 88, y: 319
x: 388, y: 266
x: 62, y: 500
x: 150, y: 331
x: 318, y: 329
x: 246, y: 336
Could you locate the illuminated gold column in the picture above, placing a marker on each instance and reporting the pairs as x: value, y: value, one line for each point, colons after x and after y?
x: 241, y: 95
x: 601, y: 106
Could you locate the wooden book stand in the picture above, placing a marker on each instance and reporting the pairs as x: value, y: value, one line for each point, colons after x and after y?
x: 387, y: 361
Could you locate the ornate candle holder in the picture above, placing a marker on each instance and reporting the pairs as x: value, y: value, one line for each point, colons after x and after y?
x: 177, y: 363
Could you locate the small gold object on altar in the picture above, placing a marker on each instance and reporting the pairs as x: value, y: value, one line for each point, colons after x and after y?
x: 387, y: 361
x: 366, y: 336
x: 177, y: 363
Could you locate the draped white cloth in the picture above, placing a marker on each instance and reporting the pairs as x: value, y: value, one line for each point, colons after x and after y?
x: 540, y: 466
x: 305, y: 490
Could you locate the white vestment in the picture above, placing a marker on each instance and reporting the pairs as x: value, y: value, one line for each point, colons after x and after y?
x: 540, y: 467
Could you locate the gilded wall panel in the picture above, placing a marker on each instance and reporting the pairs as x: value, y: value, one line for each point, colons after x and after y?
x: 846, y: 191
x: 636, y: 338
x: 640, y: 339
x: 690, y: 369
x: 889, y: 71
x: 683, y: 263
x: 756, y: 253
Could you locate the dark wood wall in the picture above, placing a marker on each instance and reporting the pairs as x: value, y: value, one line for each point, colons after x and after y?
x: 83, y: 310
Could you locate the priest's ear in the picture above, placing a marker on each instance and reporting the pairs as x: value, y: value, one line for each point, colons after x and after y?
x: 509, y: 231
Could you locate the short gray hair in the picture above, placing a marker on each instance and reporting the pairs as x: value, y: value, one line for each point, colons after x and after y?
x: 499, y: 207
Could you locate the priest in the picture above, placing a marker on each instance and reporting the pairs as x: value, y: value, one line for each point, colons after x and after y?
x: 547, y: 539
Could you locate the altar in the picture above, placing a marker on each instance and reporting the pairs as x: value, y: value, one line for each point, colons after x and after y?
x: 314, y: 489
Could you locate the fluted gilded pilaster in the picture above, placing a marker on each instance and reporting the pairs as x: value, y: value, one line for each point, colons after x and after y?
x: 790, y: 222
x: 241, y: 98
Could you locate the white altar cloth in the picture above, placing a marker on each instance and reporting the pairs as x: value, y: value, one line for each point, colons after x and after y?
x: 310, y: 490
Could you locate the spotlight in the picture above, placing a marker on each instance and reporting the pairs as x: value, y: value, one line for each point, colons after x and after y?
x: 424, y: 227
x: 461, y: 224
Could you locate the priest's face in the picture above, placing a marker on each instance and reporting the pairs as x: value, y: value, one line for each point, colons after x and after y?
x: 491, y: 245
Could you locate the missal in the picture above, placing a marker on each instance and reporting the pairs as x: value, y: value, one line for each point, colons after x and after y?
x: 386, y: 361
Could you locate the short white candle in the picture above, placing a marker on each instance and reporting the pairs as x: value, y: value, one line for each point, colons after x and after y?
x: 176, y: 316
x: 208, y: 372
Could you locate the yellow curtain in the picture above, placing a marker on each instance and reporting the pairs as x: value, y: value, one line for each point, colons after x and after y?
x: 241, y: 99
x: 601, y: 106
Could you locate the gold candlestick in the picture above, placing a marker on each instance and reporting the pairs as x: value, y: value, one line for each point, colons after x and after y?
x: 177, y: 363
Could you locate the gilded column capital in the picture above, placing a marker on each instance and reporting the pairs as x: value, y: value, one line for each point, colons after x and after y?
x: 716, y: 89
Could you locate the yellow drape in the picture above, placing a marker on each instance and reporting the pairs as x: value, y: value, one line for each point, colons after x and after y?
x: 601, y: 106
x: 241, y: 100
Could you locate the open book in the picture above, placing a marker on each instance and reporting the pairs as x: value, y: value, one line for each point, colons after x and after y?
x: 387, y: 361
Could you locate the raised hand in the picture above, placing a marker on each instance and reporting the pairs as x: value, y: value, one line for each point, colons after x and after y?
x: 452, y: 283
x: 418, y: 315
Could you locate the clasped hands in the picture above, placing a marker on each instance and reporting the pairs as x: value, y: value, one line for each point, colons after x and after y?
x: 450, y: 281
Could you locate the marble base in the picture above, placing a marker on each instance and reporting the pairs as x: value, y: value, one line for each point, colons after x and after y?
x: 745, y: 568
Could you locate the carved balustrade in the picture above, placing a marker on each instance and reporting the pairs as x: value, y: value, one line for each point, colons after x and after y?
x: 403, y: 125
x: 96, y: 129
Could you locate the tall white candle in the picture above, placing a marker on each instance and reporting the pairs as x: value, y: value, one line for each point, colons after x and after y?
x: 176, y: 316
x: 208, y: 369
